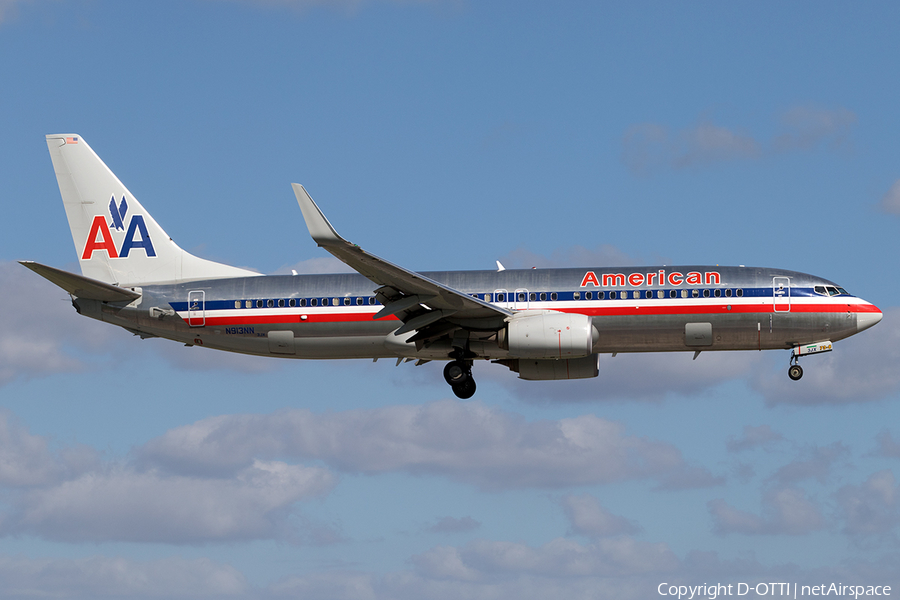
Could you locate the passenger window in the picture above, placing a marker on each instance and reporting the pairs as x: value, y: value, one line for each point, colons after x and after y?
x: 576, y: 296
x: 371, y: 299
x: 684, y: 293
x: 718, y: 293
x: 612, y: 295
x: 706, y: 293
x: 313, y: 301
x: 532, y: 296
x: 660, y: 294
x: 501, y: 297
x: 553, y: 295
x: 237, y: 303
x: 728, y: 293
x: 248, y: 304
x: 521, y: 296
x: 543, y: 296
x: 293, y: 302
x: 695, y: 293
x: 359, y: 301
x: 259, y: 304
x: 589, y: 295
x: 740, y: 292
x: 270, y: 303
x: 281, y: 303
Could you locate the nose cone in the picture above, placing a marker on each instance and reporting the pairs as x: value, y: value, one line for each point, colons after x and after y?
x: 864, y: 320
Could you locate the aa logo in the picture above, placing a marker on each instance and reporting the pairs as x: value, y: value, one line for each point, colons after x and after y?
x: 100, y: 236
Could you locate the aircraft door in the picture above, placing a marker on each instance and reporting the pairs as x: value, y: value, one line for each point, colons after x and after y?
x: 781, y: 294
x: 197, y: 308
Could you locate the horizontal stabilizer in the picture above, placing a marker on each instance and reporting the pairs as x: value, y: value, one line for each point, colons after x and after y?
x: 81, y: 287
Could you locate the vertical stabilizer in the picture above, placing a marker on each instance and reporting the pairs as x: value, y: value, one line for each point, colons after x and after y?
x: 116, y: 239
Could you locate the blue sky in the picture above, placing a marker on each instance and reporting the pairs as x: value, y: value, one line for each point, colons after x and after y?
x: 448, y: 135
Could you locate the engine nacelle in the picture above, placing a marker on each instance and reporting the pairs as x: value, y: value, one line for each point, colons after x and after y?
x: 543, y: 369
x: 548, y: 334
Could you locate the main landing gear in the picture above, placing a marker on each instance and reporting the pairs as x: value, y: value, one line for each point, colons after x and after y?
x: 458, y: 373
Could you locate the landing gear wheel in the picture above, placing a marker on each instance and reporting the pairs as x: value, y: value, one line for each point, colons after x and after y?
x: 795, y: 372
x: 465, y: 390
x: 457, y: 373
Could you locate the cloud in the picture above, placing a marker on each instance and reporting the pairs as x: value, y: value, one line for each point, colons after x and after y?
x: 73, y: 495
x: 9, y: 9
x: 870, y: 510
x: 122, y: 504
x: 754, y: 437
x: 890, y: 203
x: 466, y: 442
x: 785, y: 510
x: 810, y: 126
x: 689, y: 478
x: 624, y: 377
x: 588, y: 518
x: 485, y: 560
x: 860, y: 369
x: 648, y: 147
x: 25, y: 459
x: 113, y: 577
x: 816, y: 464
x: 454, y: 525
x: 40, y: 326
x: 887, y: 447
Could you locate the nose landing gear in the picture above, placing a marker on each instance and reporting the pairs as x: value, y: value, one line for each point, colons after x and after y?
x: 795, y: 372
x: 458, y: 373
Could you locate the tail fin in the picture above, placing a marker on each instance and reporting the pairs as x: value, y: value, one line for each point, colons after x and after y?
x: 116, y: 239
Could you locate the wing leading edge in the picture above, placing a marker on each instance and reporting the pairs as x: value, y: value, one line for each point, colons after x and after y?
x: 422, y: 304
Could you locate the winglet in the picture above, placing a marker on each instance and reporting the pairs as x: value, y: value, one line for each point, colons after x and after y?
x: 319, y: 227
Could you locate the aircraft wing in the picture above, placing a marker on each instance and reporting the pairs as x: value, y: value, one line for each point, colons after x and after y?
x: 80, y: 286
x: 421, y: 303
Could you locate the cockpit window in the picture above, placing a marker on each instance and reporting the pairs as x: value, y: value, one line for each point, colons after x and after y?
x: 830, y: 290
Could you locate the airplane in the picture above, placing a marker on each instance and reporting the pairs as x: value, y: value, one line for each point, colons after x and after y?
x: 544, y: 324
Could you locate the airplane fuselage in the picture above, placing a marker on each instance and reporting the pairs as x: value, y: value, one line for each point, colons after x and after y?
x: 331, y: 316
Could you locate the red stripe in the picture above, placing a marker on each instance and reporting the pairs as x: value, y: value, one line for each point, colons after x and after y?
x: 601, y: 311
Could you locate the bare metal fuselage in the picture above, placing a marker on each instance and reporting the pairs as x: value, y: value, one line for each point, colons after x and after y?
x: 331, y: 316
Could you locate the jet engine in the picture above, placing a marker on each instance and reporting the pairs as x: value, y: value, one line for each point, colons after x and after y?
x: 552, y: 335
